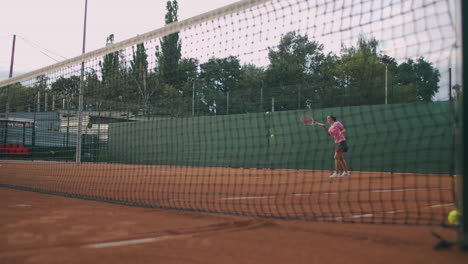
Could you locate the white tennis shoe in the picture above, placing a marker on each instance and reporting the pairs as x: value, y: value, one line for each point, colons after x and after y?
x: 335, y: 175
x: 345, y: 174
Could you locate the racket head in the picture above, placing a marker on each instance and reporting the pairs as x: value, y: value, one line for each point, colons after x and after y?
x: 307, y: 120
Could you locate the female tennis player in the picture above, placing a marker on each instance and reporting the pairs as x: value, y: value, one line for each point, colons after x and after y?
x: 337, y: 131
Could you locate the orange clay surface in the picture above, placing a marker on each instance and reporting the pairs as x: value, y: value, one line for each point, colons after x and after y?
x: 364, y: 197
x: 40, y: 228
x: 43, y: 228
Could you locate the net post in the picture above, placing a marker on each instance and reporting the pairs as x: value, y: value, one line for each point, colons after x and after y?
x: 464, y: 143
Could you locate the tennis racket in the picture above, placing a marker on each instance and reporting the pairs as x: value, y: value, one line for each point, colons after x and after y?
x: 309, y: 121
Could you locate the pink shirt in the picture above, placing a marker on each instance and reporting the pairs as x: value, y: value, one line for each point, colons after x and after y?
x: 335, y: 131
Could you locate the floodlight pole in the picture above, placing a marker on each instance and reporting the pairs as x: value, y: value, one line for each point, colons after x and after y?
x: 192, y: 79
x: 193, y: 97
x: 12, y: 57
x: 386, y: 84
x: 7, y: 110
x: 386, y: 60
x: 80, y: 98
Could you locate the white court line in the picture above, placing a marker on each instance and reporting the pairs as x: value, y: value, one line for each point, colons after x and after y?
x: 304, y: 194
x: 441, y: 205
x: 402, y: 190
x: 391, y: 212
x: 377, y: 191
x: 355, y: 216
x: 20, y: 205
x: 362, y: 216
x: 130, y: 242
x: 329, y: 193
x: 246, y: 198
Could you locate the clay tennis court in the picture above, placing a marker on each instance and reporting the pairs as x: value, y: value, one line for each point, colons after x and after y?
x: 368, y: 197
x: 45, y: 228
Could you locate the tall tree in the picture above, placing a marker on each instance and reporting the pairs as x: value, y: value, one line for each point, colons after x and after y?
x: 139, y: 76
x: 92, y: 88
x: 291, y: 63
x: 416, y: 81
x: 22, y: 99
x: 361, y: 73
x: 220, y: 79
x: 170, y: 54
x: 111, y: 73
x: 250, y: 96
x: 324, y: 89
x: 66, y: 89
x: 40, y: 87
x: 188, y: 72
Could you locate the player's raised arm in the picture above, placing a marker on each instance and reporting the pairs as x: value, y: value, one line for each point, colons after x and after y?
x: 325, y: 128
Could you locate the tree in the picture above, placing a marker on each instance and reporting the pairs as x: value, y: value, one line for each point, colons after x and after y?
x: 170, y: 49
x: 424, y: 77
x: 112, y: 76
x: 188, y: 73
x: 40, y: 88
x: 22, y: 99
x: 416, y: 81
x: 67, y: 89
x: 291, y: 63
x: 250, y: 96
x: 139, y: 76
x: 325, y: 87
x: 361, y: 74
x: 219, y: 78
x: 92, y: 88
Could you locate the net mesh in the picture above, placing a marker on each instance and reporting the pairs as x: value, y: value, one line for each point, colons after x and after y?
x: 204, y: 114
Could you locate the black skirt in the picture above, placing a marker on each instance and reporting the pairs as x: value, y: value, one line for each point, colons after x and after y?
x: 342, y: 145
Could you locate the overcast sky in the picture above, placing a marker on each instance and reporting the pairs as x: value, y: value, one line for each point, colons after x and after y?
x: 52, y: 30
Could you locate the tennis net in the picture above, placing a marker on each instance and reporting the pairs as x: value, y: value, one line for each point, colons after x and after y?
x: 204, y: 114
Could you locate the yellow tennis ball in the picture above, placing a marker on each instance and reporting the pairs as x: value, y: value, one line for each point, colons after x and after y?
x: 272, y: 136
x: 454, y: 217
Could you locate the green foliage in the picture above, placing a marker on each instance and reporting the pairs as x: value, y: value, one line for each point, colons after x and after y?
x: 40, y: 89
x: 139, y: 81
x: 249, y: 98
x: 92, y: 88
x: 111, y: 73
x: 292, y: 64
x: 325, y: 88
x: 188, y: 74
x: 299, y: 76
x: 418, y: 80
x: 67, y: 89
x: 362, y: 74
x: 21, y: 98
x: 170, y: 49
x: 219, y: 78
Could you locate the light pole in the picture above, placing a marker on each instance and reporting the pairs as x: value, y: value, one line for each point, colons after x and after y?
x: 193, y: 94
x: 7, y: 110
x: 80, y: 92
x: 386, y: 84
x: 386, y: 60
